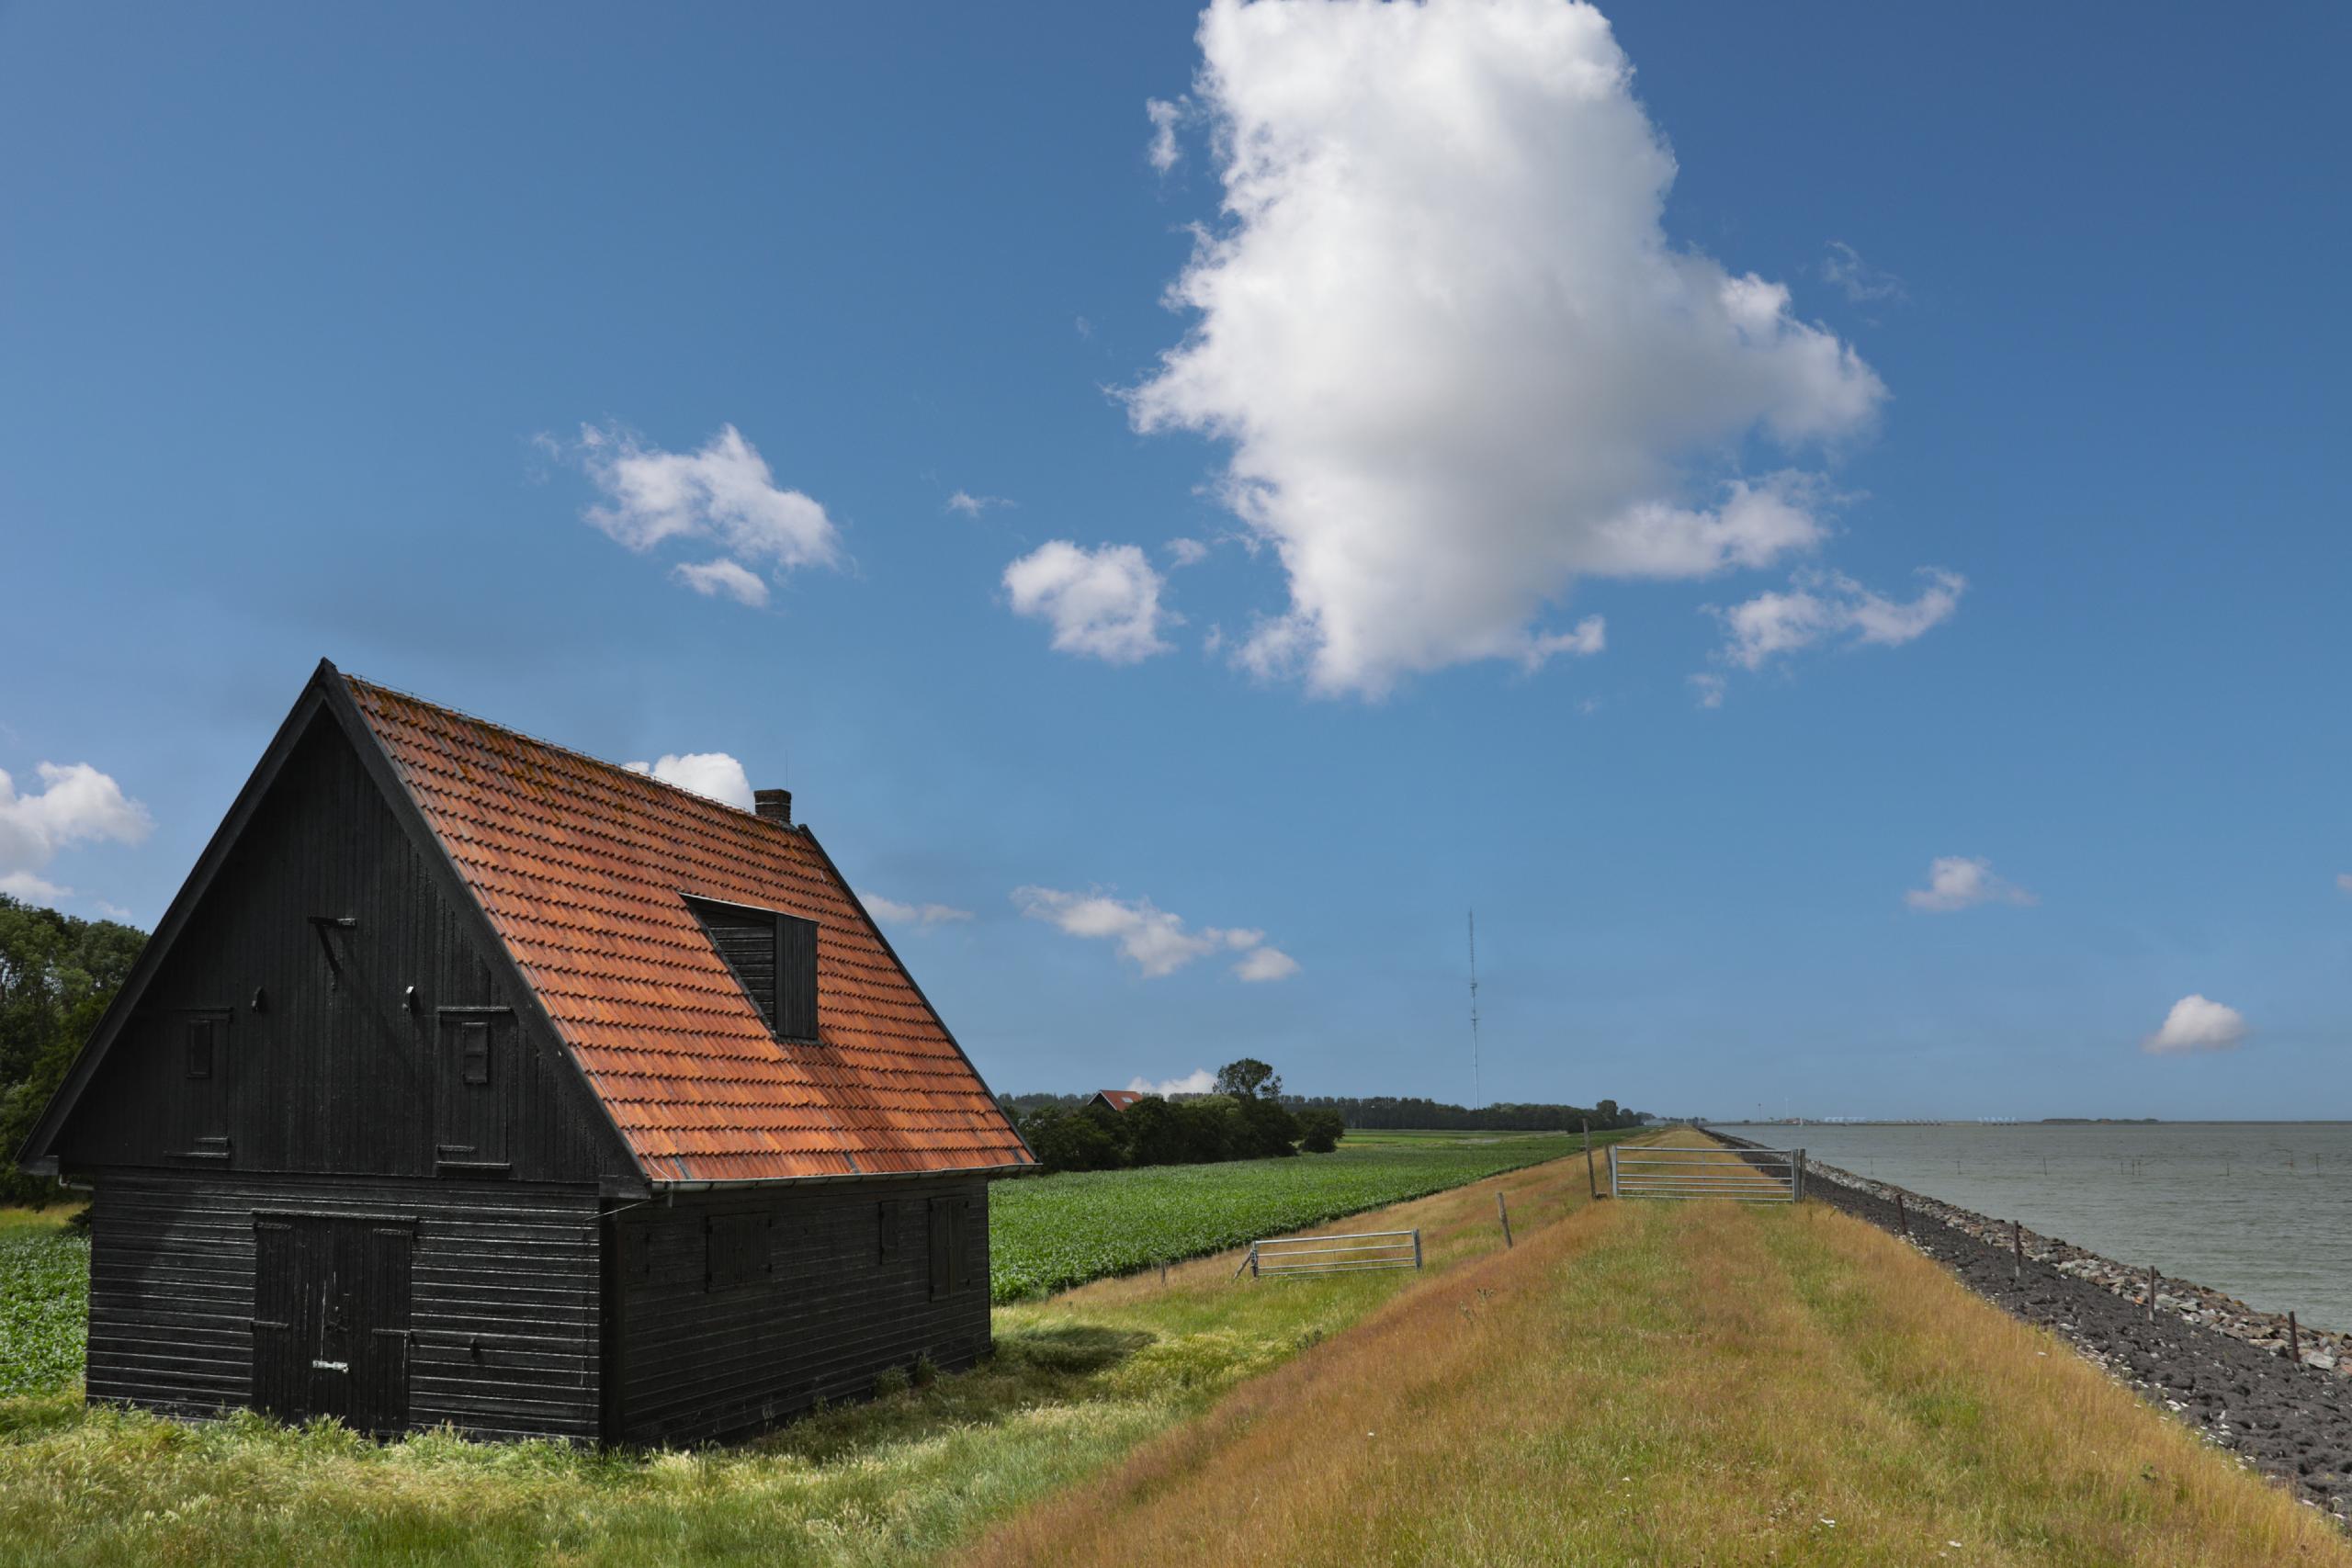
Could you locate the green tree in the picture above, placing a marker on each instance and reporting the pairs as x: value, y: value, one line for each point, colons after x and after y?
x: 1320, y: 1132
x: 1248, y: 1078
x: 57, y: 975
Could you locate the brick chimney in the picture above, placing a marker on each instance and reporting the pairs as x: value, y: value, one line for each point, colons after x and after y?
x: 776, y: 804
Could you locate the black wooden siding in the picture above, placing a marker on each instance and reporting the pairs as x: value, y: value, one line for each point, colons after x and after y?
x: 774, y: 956
x: 340, y: 1068
x: 843, y: 1291
x: 503, y: 1295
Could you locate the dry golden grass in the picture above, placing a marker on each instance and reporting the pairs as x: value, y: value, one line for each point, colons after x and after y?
x: 1679, y: 1383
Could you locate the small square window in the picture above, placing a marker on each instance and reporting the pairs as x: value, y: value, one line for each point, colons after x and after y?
x: 200, y: 1033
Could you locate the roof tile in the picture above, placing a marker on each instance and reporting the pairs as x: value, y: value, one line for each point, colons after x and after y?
x: 582, y: 867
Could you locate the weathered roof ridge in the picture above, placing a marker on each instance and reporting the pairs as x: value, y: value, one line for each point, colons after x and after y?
x: 539, y: 740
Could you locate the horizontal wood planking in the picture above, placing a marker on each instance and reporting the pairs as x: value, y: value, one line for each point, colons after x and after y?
x: 504, y: 1303
x: 697, y: 1364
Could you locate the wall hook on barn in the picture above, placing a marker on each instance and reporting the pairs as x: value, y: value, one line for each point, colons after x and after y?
x: 408, y: 998
x: 260, y: 999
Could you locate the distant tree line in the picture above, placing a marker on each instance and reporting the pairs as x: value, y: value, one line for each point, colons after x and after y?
x: 1387, y: 1112
x: 57, y: 975
x: 1244, y: 1118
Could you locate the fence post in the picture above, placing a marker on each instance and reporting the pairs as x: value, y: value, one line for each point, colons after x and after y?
x: 1503, y: 1210
x: 1590, y: 1180
x: 1902, y: 1219
x: 2152, y: 1292
x: 1416, y: 1246
x: 1612, y: 1171
x: 2017, y: 1248
x: 2294, y: 1342
x: 1796, y: 1178
x: 1253, y: 1261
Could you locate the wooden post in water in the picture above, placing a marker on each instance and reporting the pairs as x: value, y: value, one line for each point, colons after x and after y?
x: 2016, y: 1248
x: 1502, y: 1211
x: 2294, y: 1342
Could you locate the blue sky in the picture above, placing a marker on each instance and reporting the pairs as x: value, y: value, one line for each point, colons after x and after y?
x: 1552, y: 559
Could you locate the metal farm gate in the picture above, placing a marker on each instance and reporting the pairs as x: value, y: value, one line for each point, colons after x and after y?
x: 1746, y: 1176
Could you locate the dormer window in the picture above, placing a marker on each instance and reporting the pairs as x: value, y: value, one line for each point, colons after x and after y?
x: 773, y: 956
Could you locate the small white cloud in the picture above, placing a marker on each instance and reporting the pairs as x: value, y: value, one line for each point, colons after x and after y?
x: 1266, y: 963
x: 1589, y: 636
x: 1959, y: 882
x: 111, y: 911
x: 1822, y: 606
x: 713, y: 578
x: 1708, y: 689
x: 723, y: 492
x: 1186, y: 552
x: 1862, y: 283
x: 1102, y: 603
x: 76, y: 805
x: 2197, y: 1024
x: 1084, y: 327
x: 971, y: 505
x: 26, y: 886
x: 714, y: 774
x: 1157, y: 941
x: 918, y: 915
x: 1165, y: 152
x: 1200, y: 1080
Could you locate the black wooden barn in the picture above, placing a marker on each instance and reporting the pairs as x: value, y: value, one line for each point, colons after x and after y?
x: 472, y: 1081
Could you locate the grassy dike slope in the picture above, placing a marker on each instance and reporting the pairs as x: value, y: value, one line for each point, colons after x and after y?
x: 1681, y: 1383
x: 1078, y: 1381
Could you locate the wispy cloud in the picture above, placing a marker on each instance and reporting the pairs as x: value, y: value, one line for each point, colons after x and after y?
x: 969, y: 505
x: 1708, y: 689
x: 1961, y: 882
x: 1827, y: 606
x: 1165, y: 115
x: 1102, y: 603
x: 918, y: 915
x: 721, y: 493
x: 1860, y: 282
x: 1156, y: 941
x: 1186, y: 552
x: 2197, y: 1024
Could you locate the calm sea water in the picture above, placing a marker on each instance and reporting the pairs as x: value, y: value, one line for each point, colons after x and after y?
x: 2260, y: 1210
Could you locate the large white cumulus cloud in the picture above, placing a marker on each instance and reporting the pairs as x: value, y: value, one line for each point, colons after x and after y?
x: 1456, y: 358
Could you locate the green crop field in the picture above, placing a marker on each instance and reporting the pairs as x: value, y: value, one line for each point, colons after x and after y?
x: 44, y: 1287
x: 1046, y: 1233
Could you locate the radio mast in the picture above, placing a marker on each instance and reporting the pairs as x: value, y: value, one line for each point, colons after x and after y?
x: 1477, y: 1095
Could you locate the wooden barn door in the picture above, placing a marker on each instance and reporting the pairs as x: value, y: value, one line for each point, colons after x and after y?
x: 331, y: 1319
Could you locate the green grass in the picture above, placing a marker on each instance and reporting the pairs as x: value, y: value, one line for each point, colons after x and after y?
x: 1077, y: 1381
x: 44, y: 1300
x: 1049, y: 1233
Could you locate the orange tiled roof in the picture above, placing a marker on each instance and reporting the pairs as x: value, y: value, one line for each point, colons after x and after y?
x: 580, y: 864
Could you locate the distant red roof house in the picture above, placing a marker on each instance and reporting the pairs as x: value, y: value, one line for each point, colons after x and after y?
x: 1115, y: 1099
